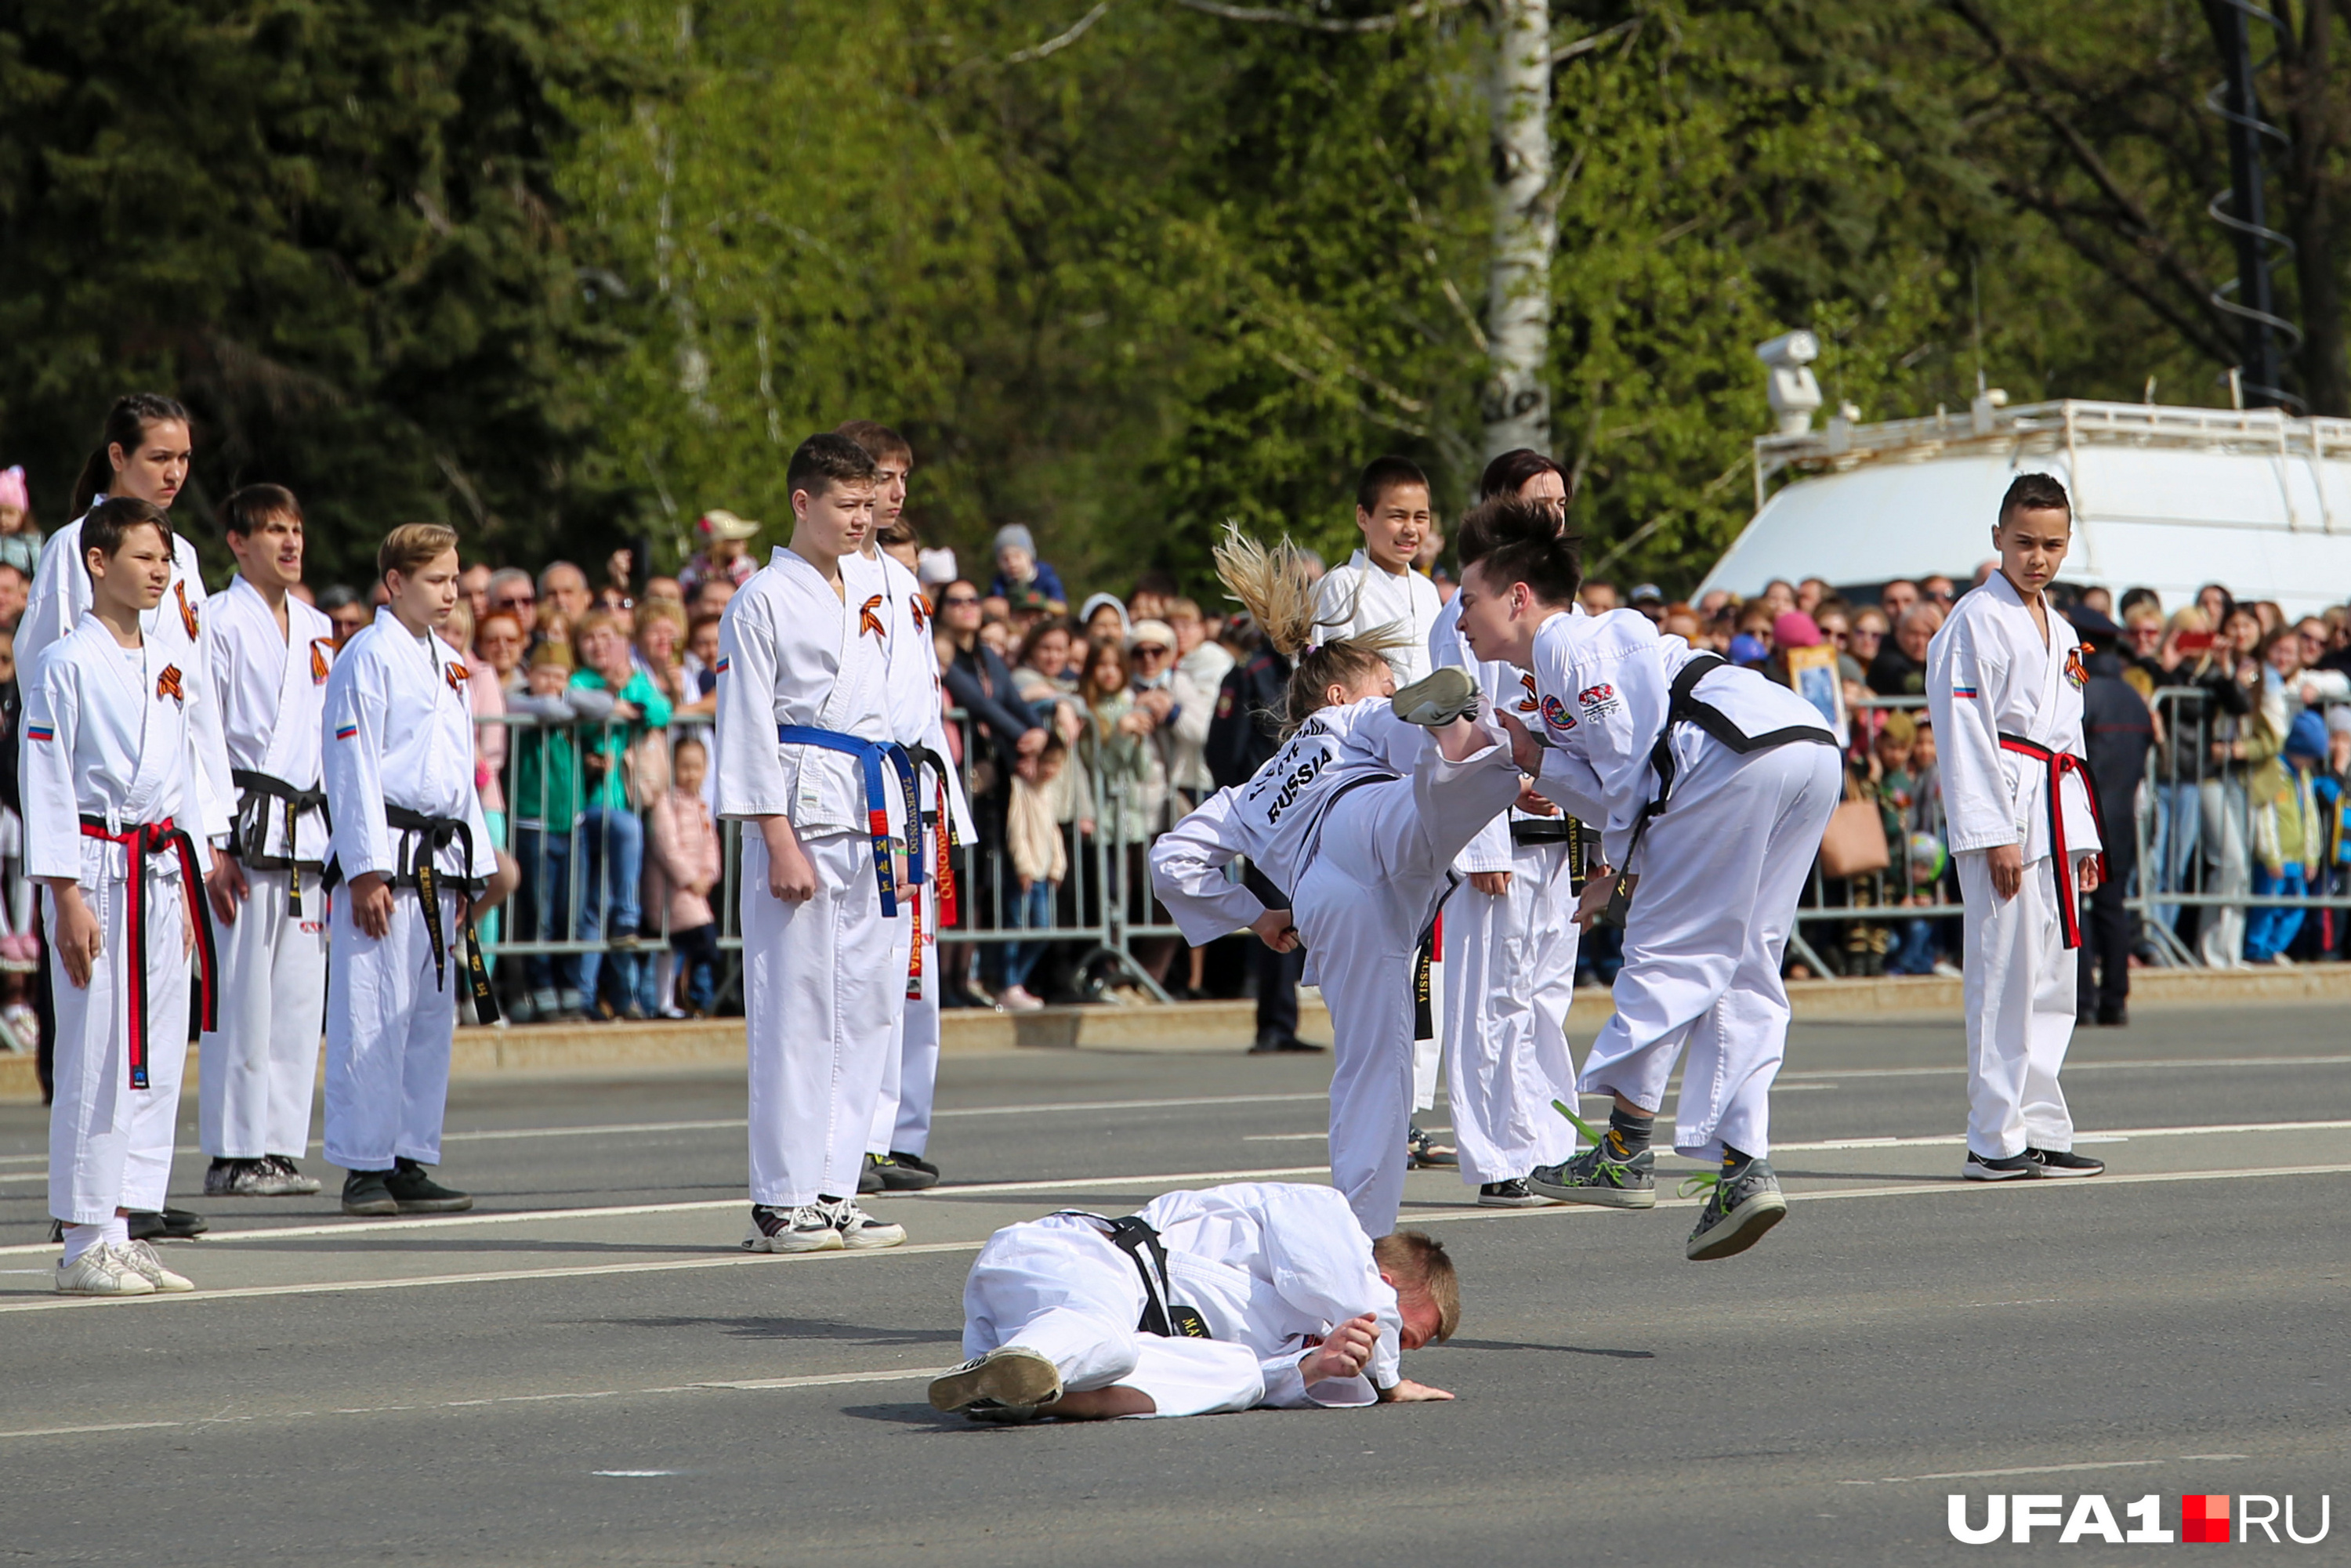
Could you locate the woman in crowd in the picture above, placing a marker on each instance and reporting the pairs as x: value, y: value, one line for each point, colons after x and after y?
x: 1003, y: 731
x: 622, y: 758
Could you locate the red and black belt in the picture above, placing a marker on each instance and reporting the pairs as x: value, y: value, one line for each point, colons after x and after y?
x: 140, y: 841
x: 2061, y: 863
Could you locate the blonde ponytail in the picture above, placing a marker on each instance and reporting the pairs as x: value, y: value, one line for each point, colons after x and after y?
x: 1275, y: 587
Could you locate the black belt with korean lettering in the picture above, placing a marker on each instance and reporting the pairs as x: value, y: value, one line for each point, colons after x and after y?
x: 1163, y: 1315
x: 422, y: 839
x: 253, y: 841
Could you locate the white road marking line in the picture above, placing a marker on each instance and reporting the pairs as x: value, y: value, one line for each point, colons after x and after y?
x: 103, y: 1427
x: 2119, y: 1135
x: 2148, y: 1063
x: 828, y: 1379
x: 58, y: 1304
x: 2025, y: 1470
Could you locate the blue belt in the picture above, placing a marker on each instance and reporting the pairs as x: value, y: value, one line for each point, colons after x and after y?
x: 871, y: 754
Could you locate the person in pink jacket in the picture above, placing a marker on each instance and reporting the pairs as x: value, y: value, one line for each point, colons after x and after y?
x: 680, y: 873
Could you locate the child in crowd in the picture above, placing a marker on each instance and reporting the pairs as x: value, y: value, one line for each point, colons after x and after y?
x: 20, y: 541
x: 1034, y: 836
x: 627, y: 714
x: 2287, y: 838
x: 683, y: 872
x: 543, y: 810
x: 726, y: 555
x: 1020, y: 575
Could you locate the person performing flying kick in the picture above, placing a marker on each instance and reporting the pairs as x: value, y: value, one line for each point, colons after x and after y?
x: 1265, y: 1293
x: 1712, y: 788
x: 2004, y: 681
x: 1350, y: 831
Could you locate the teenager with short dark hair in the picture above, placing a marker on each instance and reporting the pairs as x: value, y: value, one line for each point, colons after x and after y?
x: 269, y: 656
x: 115, y: 835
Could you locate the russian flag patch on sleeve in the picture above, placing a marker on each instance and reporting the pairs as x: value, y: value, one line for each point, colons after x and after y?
x: 40, y: 732
x: 346, y: 732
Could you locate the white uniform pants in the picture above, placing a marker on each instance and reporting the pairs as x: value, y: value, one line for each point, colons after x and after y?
x: 1060, y: 1287
x: 257, y: 1071
x: 2020, y: 990
x: 1720, y: 873
x: 389, y: 1030
x: 823, y: 985
x: 1383, y: 861
x: 1510, y: 967
x: 910, y: 1070
x: 111, y: 1145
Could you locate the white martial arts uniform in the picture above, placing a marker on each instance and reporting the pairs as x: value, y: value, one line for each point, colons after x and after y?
x: 1508, y: 964
x: 909, y: 1073
x: 1354, y: 600
x: 109, y: 732
x: 257, y: 1071
x: 59, y: 596
x: 1272, y: 1268
x: 1990, y: 674
x: 397, y: 732
x: 1359, y: 818
x: 1720, y: 869
x: 824, y: 981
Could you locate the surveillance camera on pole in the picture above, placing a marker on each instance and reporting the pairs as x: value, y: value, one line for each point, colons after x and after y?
x: 1794, y: 392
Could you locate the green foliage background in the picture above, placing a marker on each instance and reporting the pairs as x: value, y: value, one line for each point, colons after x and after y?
x: 563, y: 272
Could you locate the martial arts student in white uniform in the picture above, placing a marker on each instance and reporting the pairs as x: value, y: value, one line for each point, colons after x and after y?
x: 410, y: 849
x: 898, y: 1150
x: 1265, y: 1294
x: 269, y: 656
x: 1358, y: 819
x: 1713, y: 858
x: 807, y: 762
x: 2004, y: 681
x: 109, y: 762
x: 1376, y: 593
x: 1510, y: 935
x: 143, y: 453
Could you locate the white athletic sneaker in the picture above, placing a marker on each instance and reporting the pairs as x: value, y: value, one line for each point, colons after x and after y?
x: 101, y: 1272
x: 806, y: 1229
x: 141, y: 1258
x: 859, y: 1230
x: 1009, y: 1381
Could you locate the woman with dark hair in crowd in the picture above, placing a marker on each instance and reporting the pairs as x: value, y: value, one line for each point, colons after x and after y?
x: 1002, y: 732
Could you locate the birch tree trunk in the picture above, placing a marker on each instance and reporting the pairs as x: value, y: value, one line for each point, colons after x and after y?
x: 1516, y: 403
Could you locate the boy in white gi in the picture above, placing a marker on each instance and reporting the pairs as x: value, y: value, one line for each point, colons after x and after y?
x: 1509, y: 933
x: 1222, y: 1300
x: 143, y: 453
x: 269, y: 656
x: 1712, y: 788
x: 1376, y: 593
x: 897, y: 1151
x: 2004, y: 681
x: 411, y: 847
x: 807, y: 761
x: 109, y: 764
x: 1357, y: 820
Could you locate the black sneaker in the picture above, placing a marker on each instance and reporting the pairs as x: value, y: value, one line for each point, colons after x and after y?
x: 2014, y: 1167
x: 1512, y: 1193
x: 290, y: 1175
x: 1423, y: 1152
x: 895, y: 1174
x: 1737, y: 1213
x: 241, y: 1178
x: 2115, y: 1017
x: 915, y: 1163
x: 1010, y: 1378
x: 414, y: 1190
x: 869, y: 1176
x: 1594, y: 1176
x: 366, y: 1195
x: 2064, y: 1163
x: 168, y: 1225
x: 1283, y: 1045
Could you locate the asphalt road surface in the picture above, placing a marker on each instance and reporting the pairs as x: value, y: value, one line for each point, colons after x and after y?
x: 589, y: 1370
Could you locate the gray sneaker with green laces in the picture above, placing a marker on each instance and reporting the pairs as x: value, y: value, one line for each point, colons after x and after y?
x: 1736, y: 1212
x: 1596, y: 1176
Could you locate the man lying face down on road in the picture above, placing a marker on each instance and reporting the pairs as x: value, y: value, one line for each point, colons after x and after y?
x: 1259, y: 1293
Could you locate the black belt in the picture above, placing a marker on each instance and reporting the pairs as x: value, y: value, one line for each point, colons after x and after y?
x: 253, y: 844
x: 423, y: 839
x: 1682, y: 706
x: 1161, y: 1315
x: 1542, y: 830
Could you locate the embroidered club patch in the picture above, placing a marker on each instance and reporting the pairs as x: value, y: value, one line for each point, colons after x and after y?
x: 1556, y: 717
x: 1597, y: 700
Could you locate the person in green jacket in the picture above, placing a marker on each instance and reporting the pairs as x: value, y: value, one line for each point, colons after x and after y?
x: 619, y: 706
x: 542, y: 811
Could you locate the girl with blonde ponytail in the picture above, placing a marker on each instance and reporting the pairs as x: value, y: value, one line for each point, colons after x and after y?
x: 1349, y: 832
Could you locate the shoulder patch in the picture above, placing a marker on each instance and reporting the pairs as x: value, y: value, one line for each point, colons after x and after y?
x: 1556, y: 717
x: 1597, y: 700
